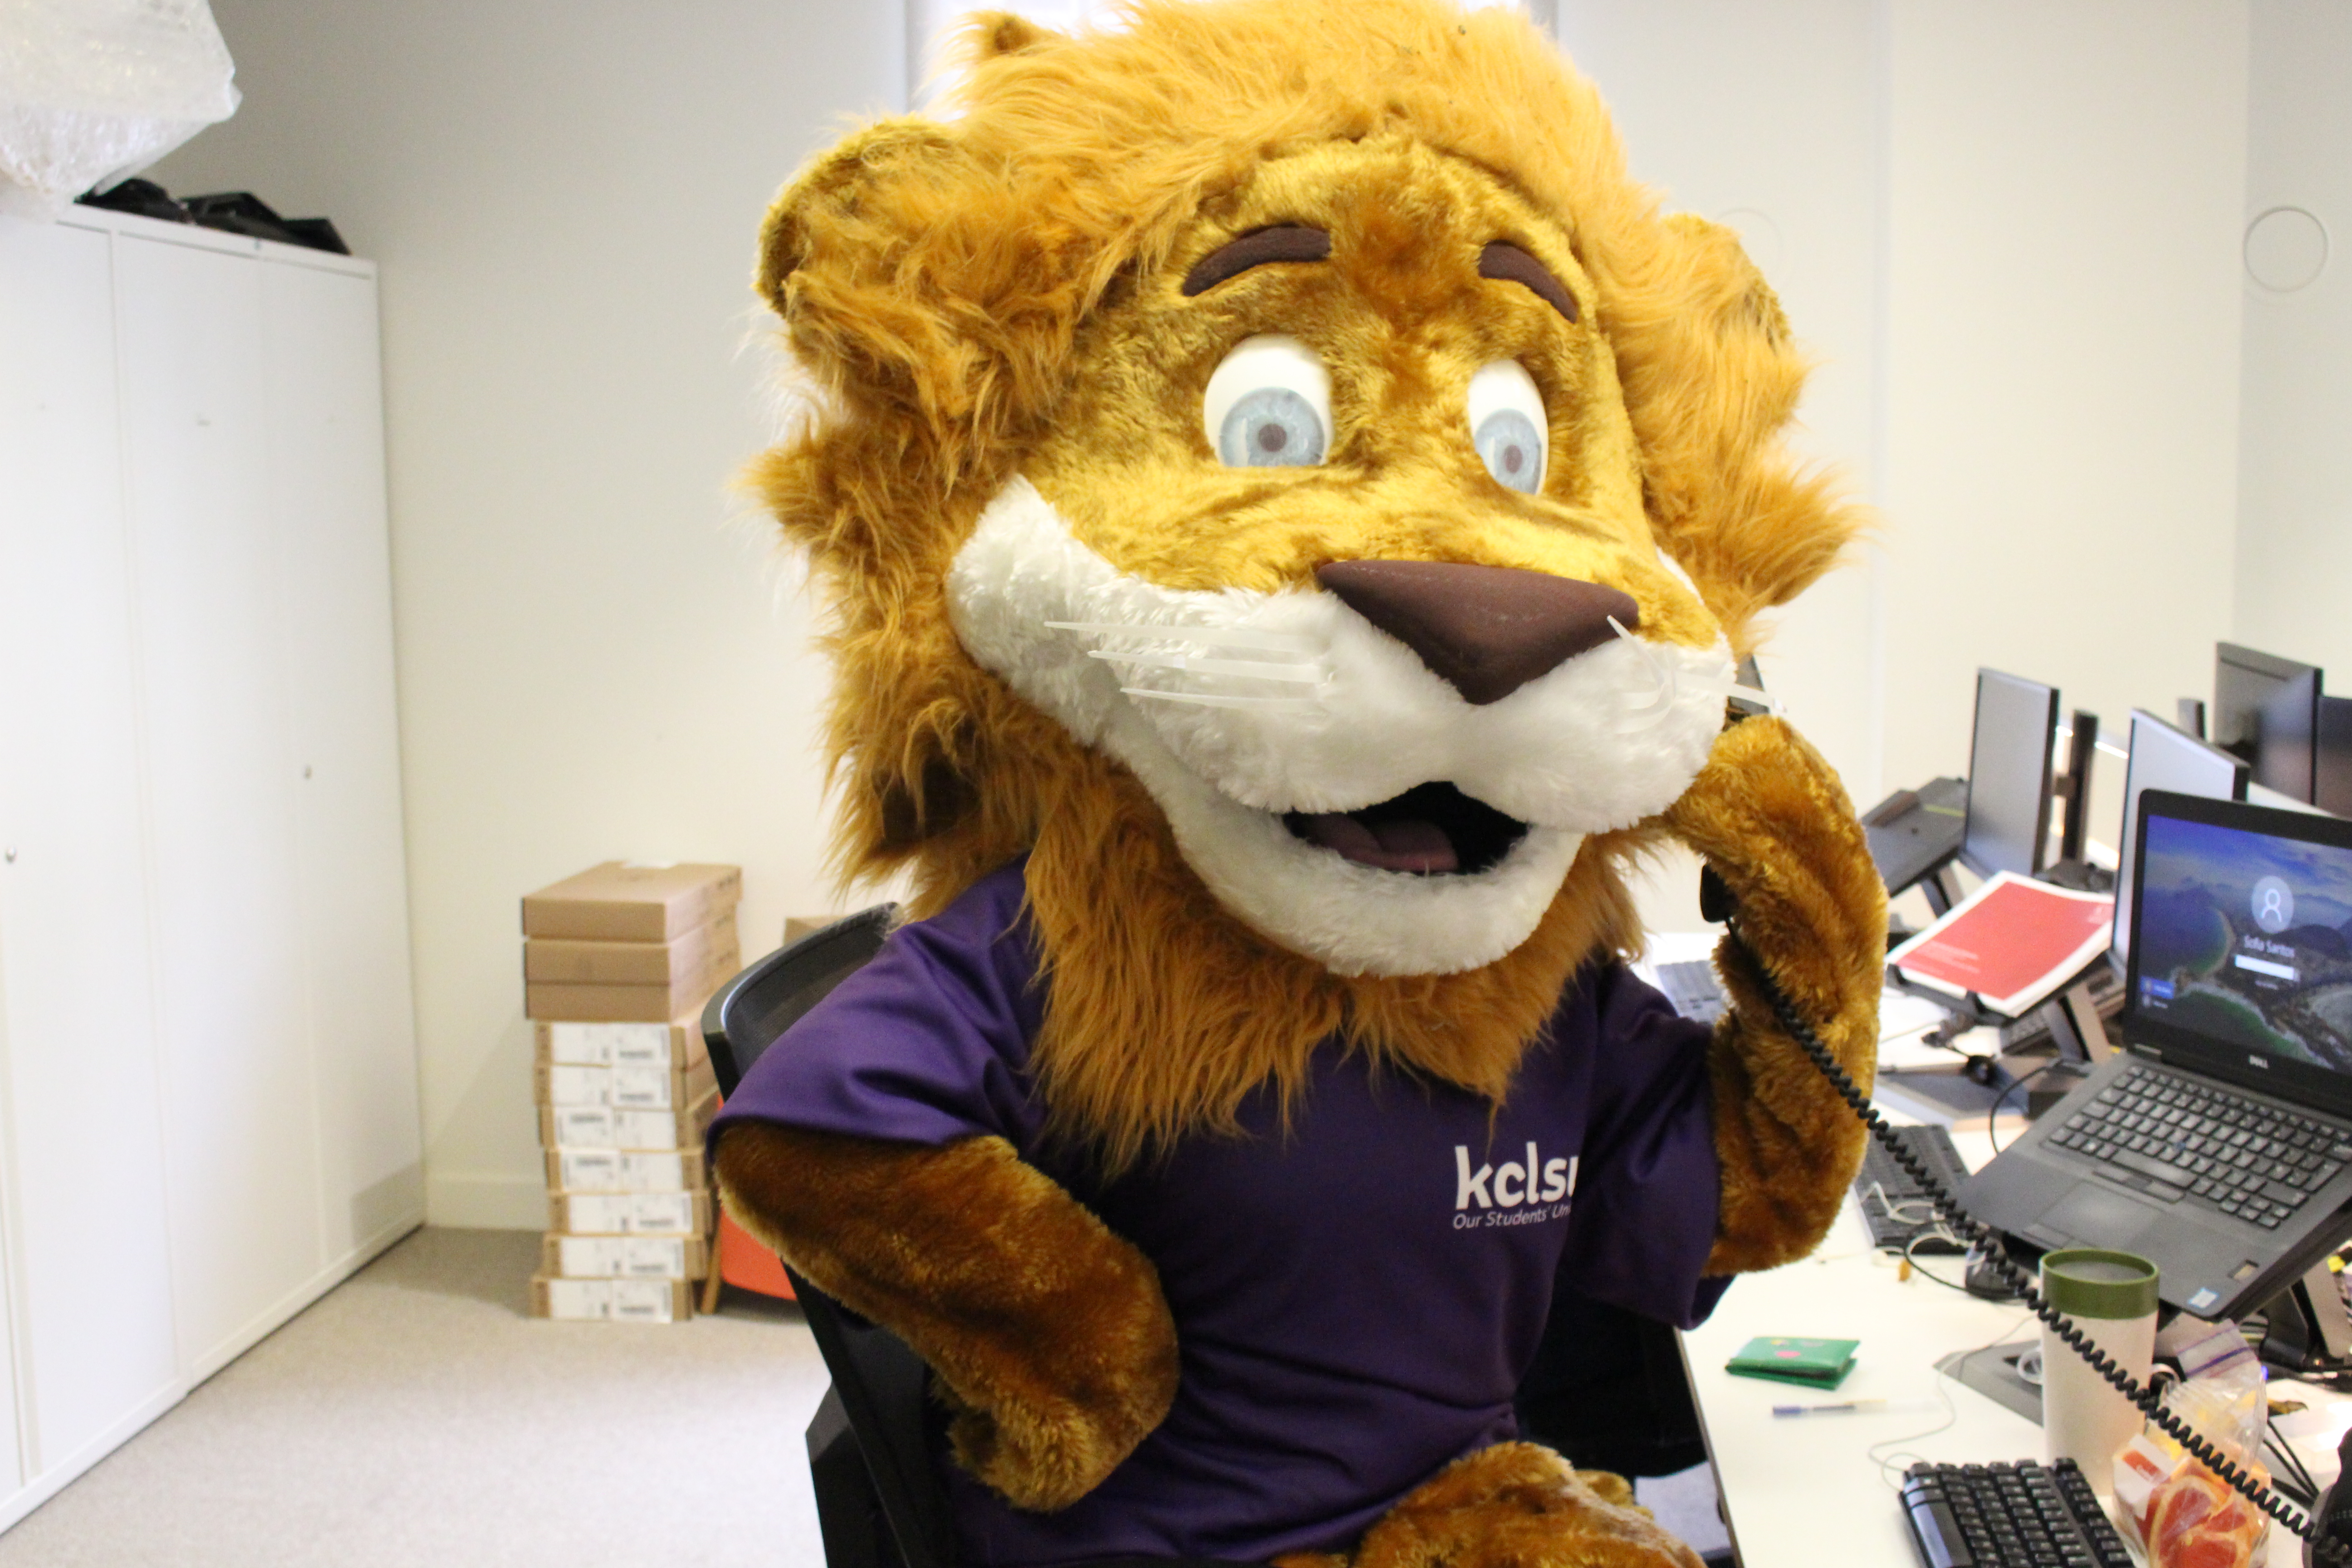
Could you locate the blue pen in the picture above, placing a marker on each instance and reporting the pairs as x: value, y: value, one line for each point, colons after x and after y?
x: 1847, y: 1404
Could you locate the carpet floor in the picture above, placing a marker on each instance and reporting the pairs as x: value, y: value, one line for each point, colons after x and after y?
x: 415, y: 1415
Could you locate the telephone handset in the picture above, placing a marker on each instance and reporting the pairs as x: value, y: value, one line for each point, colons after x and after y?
x: 2323, y: 1542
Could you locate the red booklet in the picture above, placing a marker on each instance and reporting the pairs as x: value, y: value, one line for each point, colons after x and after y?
x: 2013, y: 941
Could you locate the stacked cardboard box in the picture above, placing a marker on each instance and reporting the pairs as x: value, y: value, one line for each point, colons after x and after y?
x: 617, y: 963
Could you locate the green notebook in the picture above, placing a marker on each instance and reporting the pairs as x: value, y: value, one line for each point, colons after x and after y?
x: 1815, y: 1363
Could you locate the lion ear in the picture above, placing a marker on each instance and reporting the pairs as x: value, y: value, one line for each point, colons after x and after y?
x: 828, y: 196
x: 1734, y: 290
x: 1711, y: 380
x: 894, y: 149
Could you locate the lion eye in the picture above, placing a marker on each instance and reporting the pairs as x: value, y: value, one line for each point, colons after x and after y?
x: 1268, y: 405
x: 1507, y: 424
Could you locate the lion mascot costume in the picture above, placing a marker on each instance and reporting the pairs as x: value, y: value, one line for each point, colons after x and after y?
x: 1289, y: 506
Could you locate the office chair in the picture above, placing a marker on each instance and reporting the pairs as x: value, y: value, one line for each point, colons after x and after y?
x: 879, y: 1502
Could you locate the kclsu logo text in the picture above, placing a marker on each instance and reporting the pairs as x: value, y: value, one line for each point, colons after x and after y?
x: 1513, y: 1183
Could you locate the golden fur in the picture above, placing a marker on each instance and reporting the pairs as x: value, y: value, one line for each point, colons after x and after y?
x: 1513, y: 1505
x: 995, y: 295
x: 1774, y: 823
x: 1049, y: 1335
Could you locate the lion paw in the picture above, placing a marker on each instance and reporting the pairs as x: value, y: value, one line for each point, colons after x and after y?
x: 1517, y: 1505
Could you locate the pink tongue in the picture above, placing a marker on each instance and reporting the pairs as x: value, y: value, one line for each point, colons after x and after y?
x: 1405, y: 844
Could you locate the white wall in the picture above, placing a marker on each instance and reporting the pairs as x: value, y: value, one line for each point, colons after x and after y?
x: 2061, y: 354
x: 2295, y: 529
x: 563, y: 198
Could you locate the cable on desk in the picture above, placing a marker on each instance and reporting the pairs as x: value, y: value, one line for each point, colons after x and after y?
x: 2289, y: 1475
x: 2002, y: 1098
x: 1978, y: 1233
x: 1890, y: 1459
x: 1922, y: 1269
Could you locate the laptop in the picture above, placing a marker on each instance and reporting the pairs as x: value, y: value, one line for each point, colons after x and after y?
x: 2218, y: 1142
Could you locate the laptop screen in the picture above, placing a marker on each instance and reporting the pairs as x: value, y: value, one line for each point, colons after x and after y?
x: 2241, y: 920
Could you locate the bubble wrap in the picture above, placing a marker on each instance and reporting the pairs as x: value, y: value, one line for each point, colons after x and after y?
x: 91, y: 92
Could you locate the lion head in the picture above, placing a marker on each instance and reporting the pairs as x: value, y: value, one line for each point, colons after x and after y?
x: 1275, y: 471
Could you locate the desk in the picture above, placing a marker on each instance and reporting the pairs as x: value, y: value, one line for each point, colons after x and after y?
x: 1803, y: 1491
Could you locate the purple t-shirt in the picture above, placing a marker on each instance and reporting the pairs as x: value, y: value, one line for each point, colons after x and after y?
x: 1354, y: 1300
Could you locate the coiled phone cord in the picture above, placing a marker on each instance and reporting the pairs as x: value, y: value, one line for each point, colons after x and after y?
x: 1982, y: 1238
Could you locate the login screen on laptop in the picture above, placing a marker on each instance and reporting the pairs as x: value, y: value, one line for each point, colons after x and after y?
x: 2247, y: 939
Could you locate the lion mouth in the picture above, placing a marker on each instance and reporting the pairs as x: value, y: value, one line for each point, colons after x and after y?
x: 1431, y: 829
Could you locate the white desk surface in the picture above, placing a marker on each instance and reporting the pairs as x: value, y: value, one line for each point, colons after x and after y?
x: 1805, y: 1490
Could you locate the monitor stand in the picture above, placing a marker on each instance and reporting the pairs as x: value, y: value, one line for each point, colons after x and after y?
x: 1915, y: 835
x: 2079, y: 875
x: 2071, y: 1022
x: 2308, y: 1328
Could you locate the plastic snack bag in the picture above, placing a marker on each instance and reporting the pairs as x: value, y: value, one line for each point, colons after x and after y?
x: 2174, y: 1509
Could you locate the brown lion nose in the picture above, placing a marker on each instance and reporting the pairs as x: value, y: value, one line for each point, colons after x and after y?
x: 1485, y: 630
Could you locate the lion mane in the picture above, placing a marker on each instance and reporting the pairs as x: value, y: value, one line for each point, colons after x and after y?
x: 936, y: 279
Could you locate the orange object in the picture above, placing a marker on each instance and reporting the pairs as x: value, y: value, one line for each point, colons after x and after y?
x: 2183, y: 1515
x: 748, y: 1266
x: 2195, y: 1522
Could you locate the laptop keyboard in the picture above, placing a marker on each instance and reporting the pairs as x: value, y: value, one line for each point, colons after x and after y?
x: 1692, y: 987
x: 2176, y: 1138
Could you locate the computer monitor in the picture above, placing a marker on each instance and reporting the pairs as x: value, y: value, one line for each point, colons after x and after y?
x: 2331, y: 766
x: 2266, y: 709
x: 2162, y: 757
x: 2009, y: 774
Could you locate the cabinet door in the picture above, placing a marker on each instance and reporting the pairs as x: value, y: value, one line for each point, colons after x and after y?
x: 326, y: 461
x: 88, y: 1248
x: 239, y: 1096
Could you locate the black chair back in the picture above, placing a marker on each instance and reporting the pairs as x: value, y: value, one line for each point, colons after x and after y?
x: 747, y: 1014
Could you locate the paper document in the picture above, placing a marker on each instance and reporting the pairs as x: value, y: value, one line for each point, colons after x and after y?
x: 2013, y: 941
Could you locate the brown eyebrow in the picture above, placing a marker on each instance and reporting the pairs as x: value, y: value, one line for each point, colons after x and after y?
x: 1508, y: 262
x: 1283, y: 242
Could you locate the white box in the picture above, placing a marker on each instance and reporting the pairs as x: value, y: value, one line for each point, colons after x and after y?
x: 626, y: 1170
x: 612, y: 1300
x: 629, y: 1214
x: 624, y: 1256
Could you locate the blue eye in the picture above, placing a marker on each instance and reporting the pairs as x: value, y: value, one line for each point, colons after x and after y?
x: 1511, y: 449
x: 1268, y: 405
x: 1272, y: 427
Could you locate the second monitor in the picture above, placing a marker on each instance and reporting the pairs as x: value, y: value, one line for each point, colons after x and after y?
x: 2009, y: 755
x: 2266, y: 712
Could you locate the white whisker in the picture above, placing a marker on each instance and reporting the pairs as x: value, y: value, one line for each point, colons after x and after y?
x: 1212, y: 637
x: 1256, y: 704
x: 1294, y: 674
x: 1661, y: 701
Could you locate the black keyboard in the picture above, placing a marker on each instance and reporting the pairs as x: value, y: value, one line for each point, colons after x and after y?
x: 2180, y: 1139
x: 1993, y: 1516
x: 1691, y: 987
x: 1896, y: 1208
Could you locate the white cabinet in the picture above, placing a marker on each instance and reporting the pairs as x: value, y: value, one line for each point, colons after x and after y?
x: 208, y: 1106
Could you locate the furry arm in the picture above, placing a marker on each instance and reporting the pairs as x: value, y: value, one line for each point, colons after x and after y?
x: 1049, y: 1333
x: 1771, y: 819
